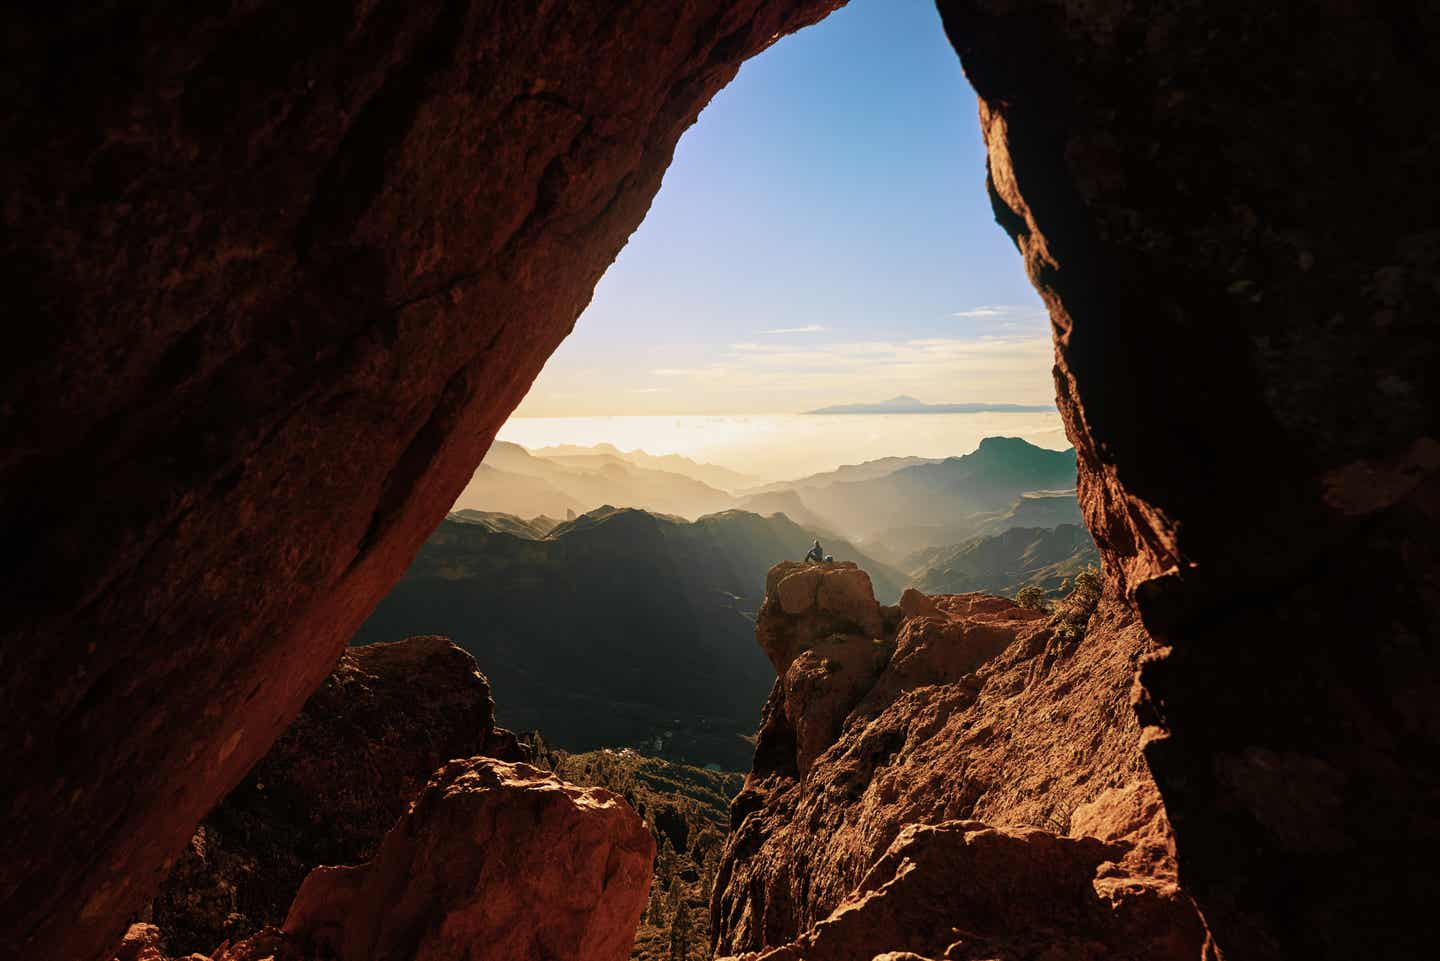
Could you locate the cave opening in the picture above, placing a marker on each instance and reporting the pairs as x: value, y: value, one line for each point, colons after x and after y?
x: 276, y: 318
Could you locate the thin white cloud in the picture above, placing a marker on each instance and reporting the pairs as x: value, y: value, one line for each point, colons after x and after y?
x: 807, y: 329
x: 777, y: 374
x: 709, y: 373
x: 989, y: 310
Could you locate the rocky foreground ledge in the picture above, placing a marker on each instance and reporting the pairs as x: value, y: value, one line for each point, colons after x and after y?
x: 953, y: 778
x: 493, y: 860
x: 491, y: 854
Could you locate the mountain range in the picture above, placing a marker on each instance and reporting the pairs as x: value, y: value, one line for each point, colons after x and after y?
x: 1005, y: 562
x: 990, y: 479
x: 617, y: 627
x: 513, y: 480
x: 610, y: 617
x: 587, y: 458
x: 891, y: 506
x: 1043, y: 509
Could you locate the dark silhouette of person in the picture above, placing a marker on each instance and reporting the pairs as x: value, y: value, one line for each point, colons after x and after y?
x: 816, y: 555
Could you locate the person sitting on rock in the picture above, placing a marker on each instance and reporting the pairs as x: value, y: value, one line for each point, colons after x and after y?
x: 816, y: 555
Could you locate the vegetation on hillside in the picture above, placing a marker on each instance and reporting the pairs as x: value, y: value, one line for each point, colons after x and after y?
x: 1047, y: 558
x: 687, y: 809
x: 1070, y: 615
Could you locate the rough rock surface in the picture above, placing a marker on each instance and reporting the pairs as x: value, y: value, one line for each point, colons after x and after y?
x: 279, y: 272
x: 1217, y: 203
x: 327, y: 792
x: 142, y: 942
x: 493, y: 862
x: 971, y: 709
x: 244, y: 246
x: 964, y: 891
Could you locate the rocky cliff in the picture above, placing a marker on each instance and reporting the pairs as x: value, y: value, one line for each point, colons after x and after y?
x: 493, y: 861
x: 955, y: 777
x: 360, y: 798
x: 327, y: 792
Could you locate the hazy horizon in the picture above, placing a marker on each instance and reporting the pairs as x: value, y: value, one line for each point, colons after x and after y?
x: 786, y: 446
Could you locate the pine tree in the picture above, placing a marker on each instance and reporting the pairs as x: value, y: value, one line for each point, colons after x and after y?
x: 680, y: 928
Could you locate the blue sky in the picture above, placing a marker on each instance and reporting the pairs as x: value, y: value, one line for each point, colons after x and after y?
x: 823, y: 236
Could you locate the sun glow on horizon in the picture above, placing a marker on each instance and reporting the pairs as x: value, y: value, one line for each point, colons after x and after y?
x: 777, y: 447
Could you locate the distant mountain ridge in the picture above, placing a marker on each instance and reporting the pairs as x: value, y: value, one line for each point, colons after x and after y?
x: 512, y: 480
x: 890, y: 506
x: 1005, y: 562
x: 865, y: 470
x: 992, y: 478
x: 618, y: 627
x: 905, y: 404
x: 714, y: 475
x: 1043, y: 509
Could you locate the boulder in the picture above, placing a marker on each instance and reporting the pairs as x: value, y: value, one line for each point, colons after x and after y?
x: 330, y: 788
x: 142, y: 942
x: 806, y: 601
x: 493, y: 861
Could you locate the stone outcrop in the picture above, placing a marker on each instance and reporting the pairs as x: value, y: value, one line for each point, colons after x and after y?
x: 142, y: 942
x: 974, y: 788
x: 330, y: 788
x: 243, y: 246
x: 492, y: 862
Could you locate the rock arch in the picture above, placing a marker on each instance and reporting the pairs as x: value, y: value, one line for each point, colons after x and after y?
x: 243, y: 248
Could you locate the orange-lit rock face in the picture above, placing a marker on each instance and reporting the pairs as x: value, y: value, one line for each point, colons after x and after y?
x: 493, y: 861
x: 276, y: 275
x: 977, y: 774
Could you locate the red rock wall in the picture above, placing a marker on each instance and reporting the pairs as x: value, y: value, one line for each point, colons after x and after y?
x: 276, y: 274
x: 1230, y: 209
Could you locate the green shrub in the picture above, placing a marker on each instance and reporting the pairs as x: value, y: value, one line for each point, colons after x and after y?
x: 1074, y: 612
x: 1031, y: 597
